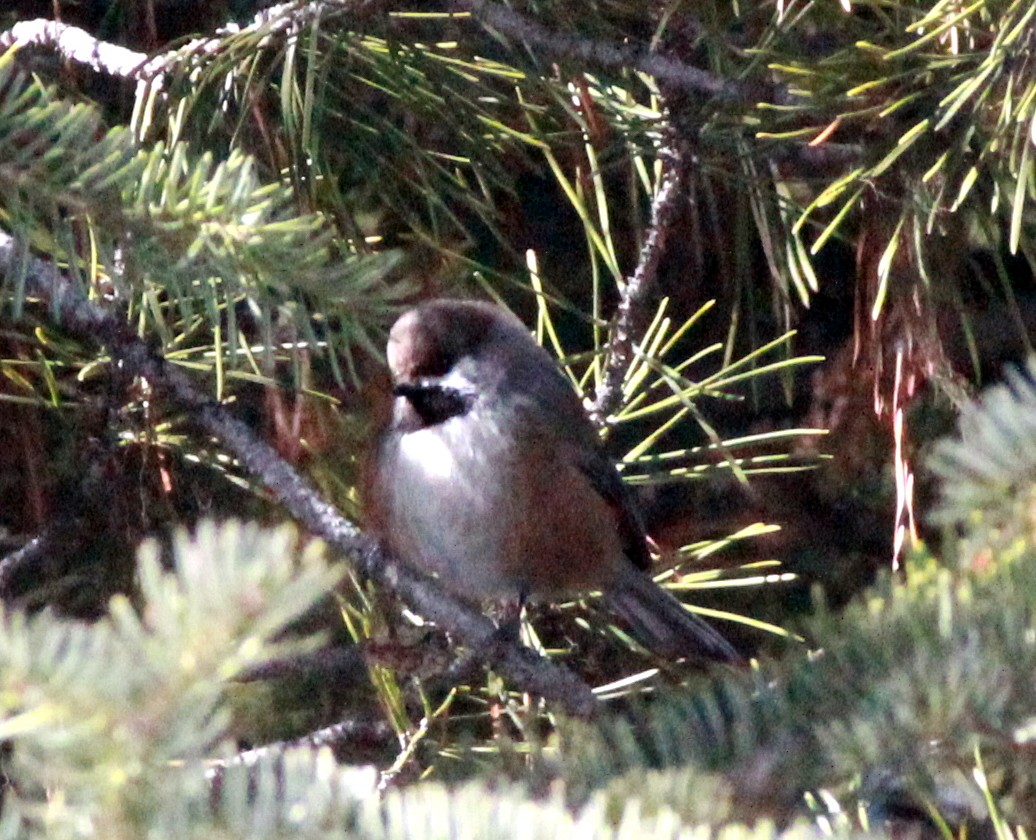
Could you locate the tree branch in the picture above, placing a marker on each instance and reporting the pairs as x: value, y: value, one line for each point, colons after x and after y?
x: 371, y: 733
x: 605, y: 54
x: 78, y: 315
x: 631, y: 318
x: 75, y: 45
x: 80, y: 47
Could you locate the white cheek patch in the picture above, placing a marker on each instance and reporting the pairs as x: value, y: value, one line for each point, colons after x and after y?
x: 428, y: 453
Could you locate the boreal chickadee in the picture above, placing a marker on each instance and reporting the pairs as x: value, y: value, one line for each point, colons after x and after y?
x: 491, y: 476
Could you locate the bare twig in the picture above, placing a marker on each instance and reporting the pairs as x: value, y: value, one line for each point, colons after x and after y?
x: 80, y: 316
x: 606, y: 54
x: 365, y: 732
x: 631, y: 318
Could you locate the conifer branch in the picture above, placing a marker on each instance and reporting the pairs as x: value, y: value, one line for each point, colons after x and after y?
x: 631, y: 318
x: 78, y: 315
x: 366, y: 732
x: 78, y: 46
x: 604, y: 54
x: 75, y: 45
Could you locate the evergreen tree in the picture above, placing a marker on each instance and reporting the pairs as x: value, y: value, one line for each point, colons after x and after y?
x: 206, y: 226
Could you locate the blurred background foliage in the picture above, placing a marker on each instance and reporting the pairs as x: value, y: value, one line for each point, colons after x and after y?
x: 850, y: 258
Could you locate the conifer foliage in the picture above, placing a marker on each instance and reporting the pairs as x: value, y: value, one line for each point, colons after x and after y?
x: 234, y: 213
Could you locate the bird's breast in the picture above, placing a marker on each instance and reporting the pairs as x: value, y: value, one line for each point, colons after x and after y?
x: 497, y: 509
x: 448, y: 506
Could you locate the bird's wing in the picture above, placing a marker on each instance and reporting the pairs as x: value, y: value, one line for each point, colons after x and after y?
x: 605, y: 479
x: 552, y: 397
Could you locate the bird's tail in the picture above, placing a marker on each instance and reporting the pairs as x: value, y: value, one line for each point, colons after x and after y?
x: 661, y: 623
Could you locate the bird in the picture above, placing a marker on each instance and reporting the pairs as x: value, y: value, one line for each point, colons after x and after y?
x: 490, y: 476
